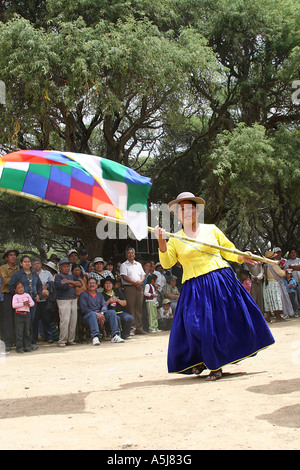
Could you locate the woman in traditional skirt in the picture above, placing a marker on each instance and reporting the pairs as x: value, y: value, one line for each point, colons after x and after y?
x: 276, y: 297
x: 216, y: 321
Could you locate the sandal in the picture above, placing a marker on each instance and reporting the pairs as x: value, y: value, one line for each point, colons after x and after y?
x: 198, y: 369
x: 214, y: 375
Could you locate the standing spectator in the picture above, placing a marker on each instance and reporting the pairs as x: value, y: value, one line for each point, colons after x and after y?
x: 160, y: 282
x: 54, y: 259
x: 41, y: 312
x: 147, y: 267
x: 276, y: 299
x: 8, y: 319
x: 133, y: 277
x: 293, y: 262
x: 32, y: 286
x: 76, y: 271
x: 84, y: 262
x: 73, y: 258
x: 147, y: 271
x: 110, y: 267
x: 278, y: 257
x: 256, y: 276
x: 291, y: 287
x: 99, y: 272
x: 151, y: 300
x: 65, y: 285
x: 117, y: 271
x: 177, y: 271
x: 246, y: 281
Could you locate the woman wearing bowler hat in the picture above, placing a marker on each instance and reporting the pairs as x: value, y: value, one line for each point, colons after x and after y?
x: 216, y: 321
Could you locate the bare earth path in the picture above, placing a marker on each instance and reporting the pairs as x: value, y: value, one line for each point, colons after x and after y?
x: 120, y: 396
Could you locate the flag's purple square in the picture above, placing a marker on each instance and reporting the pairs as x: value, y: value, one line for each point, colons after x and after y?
x: 57, y: 193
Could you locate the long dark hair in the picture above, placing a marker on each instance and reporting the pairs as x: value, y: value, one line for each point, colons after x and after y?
x: 151, y: 277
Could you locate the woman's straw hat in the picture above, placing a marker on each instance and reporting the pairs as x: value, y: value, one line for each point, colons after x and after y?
x: 186, y: 196
x: 270, y: 254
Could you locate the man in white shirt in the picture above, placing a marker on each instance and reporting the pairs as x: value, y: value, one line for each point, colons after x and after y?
x: 133, y: 275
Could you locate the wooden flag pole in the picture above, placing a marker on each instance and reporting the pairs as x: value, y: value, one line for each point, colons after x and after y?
x: 234, y: 251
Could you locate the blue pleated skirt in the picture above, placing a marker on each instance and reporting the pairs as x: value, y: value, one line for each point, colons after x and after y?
x: 216, y: 322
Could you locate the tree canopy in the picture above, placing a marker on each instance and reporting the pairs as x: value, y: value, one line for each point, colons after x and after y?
x: 196, y: 94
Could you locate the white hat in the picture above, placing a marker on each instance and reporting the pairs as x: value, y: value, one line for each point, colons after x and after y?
x: 99, y: 260
x: 186, y: 196
x: 51, y: 265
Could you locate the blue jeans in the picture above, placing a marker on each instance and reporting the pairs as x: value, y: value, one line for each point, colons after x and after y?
x: 90, y: 319
x: 126, y: 322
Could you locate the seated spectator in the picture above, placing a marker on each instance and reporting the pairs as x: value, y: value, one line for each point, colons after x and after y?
x: 65, y: 286
x: 115, y: 301
x: 171, y: 291
x: 93, y: 309
x: 165, y: 315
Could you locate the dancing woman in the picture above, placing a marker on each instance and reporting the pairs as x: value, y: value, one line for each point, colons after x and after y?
x: 216, y: 321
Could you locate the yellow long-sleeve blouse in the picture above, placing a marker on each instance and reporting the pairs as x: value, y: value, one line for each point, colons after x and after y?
x: 197, y: 259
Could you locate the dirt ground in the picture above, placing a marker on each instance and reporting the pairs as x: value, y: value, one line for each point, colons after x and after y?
x: 120, y: 396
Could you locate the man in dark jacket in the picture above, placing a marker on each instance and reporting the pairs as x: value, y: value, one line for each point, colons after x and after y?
x: 7, y: 320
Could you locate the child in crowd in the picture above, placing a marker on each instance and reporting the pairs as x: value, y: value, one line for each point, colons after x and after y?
x: 22, y: 302
x: 246, y: 281
x: 291, y: 287
x: 150, y: 299
x: 165, y: 315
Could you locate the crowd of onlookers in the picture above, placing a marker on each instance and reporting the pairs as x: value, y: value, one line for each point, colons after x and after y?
x: 74, y: 299
x: 275, y: 288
